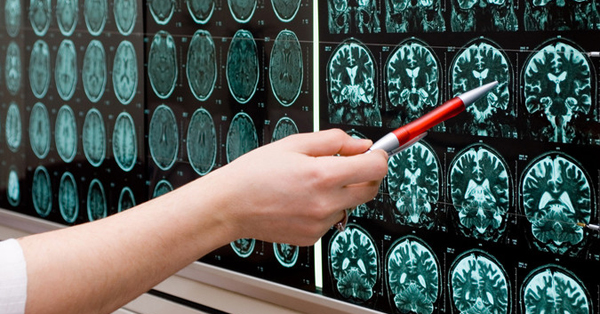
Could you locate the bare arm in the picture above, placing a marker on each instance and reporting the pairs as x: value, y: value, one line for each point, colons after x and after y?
x: 290, y: 191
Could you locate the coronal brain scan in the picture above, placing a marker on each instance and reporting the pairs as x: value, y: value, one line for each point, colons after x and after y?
x: 414, y: 185
x: 480, y: 187
x: 161, y: 188
x: 95, y: 13
x: 352, y: 85
x: 243, y: 247
x: 284, y: 127
x: 480, y: 63
x: 286, y: 254
x: 242, y: 66
x: 94, y: 137
x: 354, y: 263
x: 558, y: 85
x: 65, y: 134
x: 201, y: 142
x: 201, y: 10
x: 162, y: 10
x: 162, y: 64
x: 347, y: 16
x: 68, y: 199
x: 12, y: 17
x: 124, y: 142
x: 402, y: 16
x: 413, y: 276
x: 125, y: 12
x: 93, y: 71
x: 67, y: 15
x: 548, y: 15
x: 65, y: 70
x: 39, y: 130
x: 413, y: 81
x: 163, y: 137
x: 242, y: 10
x: 13, y: 190
x: 13, y: 68
x: 285, y: 68
x: 484, y: 16
x: 479, y: 284
x: 557, y: 194
x: 39, y: 68
x: 41, y: 191
x: 285, y: 10
x: 126, y: 199
x: 13, y: 127
x: 125, y: 72
x: 201, y: 67
x: 96, y: 201
x: 40, y: 16
x: 553, y: 289
x: 241, y: 136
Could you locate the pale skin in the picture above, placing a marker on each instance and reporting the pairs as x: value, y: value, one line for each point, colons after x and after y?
x: 291, y: 191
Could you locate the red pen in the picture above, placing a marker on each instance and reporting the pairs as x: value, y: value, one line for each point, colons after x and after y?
x: 406, y: 135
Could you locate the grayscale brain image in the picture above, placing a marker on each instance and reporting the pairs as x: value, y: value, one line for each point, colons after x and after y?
x: 346, y: 16
x: 286, y: 254
x: 68, y: 199
x: 242, y: 136
x: 39, y: 69
x: 285, y: 10
x: 242, y: 10
x: 67, y: 14
x: 201, y: 142
x: 96, y: 201
x: 352, y: 85
x: 13, y: 68
x: 163, y: 137
x: 353, y: 259
x: 95, y: 13
x: 557, y: 194
x: 161, y: 10
x: 413, y: 181
x: 126, y: 199
x: 93, y: 71
x: 124, y: 142
x: 93, y: 137
x: 413, y: 80
x: 125, y: 12
x: 13, y: 190
x: 65, y: 134
x: 284, y: 127
x: 242, y: 69
x: 484, y: 16
x: 402, y: 16
x: 162, y: 64
x: 480, y: 186
x: 201, y: 10
x: 65, y: 70
x: 414, y: 276
x: 41, y: 191
x: 285, y: 68
x: 557, y: 83
x: 554, y: 289
x: 479, y: 284
x: 13, y: 128
x: 243, y: 247
x: 39, y: 130
x: 161, y: 188
x: 125, y: 72
x: 547, y: 15
x: 201, y: 66
x: 12, y: 17
x: 479, y: 63
x: 40, y: 16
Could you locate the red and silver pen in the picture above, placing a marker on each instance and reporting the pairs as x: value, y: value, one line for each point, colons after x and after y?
x: 408, y: 134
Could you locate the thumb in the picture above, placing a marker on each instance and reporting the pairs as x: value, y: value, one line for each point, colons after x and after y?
x: 330, y: 142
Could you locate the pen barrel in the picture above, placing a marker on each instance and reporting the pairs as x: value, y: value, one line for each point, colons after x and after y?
x: 446, y: 111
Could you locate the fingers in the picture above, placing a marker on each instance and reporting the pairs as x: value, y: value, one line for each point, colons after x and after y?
x: 348, y: 170
x: 329, y: 143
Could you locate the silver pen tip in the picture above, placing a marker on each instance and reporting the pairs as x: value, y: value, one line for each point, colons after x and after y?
x: 473, y: 95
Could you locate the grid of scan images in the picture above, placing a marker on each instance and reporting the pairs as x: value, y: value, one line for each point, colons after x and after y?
x: 481, y: 215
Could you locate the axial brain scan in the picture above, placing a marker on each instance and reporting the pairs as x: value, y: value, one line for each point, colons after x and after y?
x: 285, y: 9
x: 39, y: 130
x: 163, y: 137
x: 201, y: 142
x: 201, y: 67
x: 41, y: 192
x: 93, y: 71
x: 354, y: 263
x: 40, y: 16
x: 162, y: 64
x: 94, y: 137
x: 68, y: 201
x: 66, y: 15
x: 413, y: 276
x: 347, y: 16
x: 242, y: 69
x: 65, y: 70
x: 162, y: 10
x: 13, y: 190
x: 285, y: 68
x: 556, y: 196
x: 553, y: 289
x: 39, y: 69
x: 13, y: 127
x: 484, y: 16
x: 13, y: 68
x: 125, y: 72
x: 561, y: 15
x: 479, y: 284
x: 12, y: 17
x: 125, y: 12
x: 95, y: 13
x: 243, y: 247
x: 414, y: 185
x: 558, y: 84
x: 201, y: 10
x: 161, y: 188
x: 242, y: 10
x: 286, y: 254
x: 352, y: 85
x: 65, y: 134
x: 402, y: 16
x: 480, y: 188
x: 284, y: 127
x: 126, y: 199
x: 124, y: 142
x: 241, y: 136
x: 96, y: 201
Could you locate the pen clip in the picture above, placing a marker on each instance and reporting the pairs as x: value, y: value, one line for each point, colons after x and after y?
x: 407, y: 144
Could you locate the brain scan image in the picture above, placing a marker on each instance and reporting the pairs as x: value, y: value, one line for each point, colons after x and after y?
x: 162, y: 64
x: 125, y: 12
x: 480, y: 63
x: 65, y: 134
x: 126, y: 199
x: 414, y: 185
x: 201, y: 10
x: 413, y: 275
x: 413, y: 81
x: 285, y: 68
x: 41, y: 192
x: 124, y: 142
x: 162, y: 10
x: 353, y: 16
x: 553, y: 289
x: 284, y: 127
x: 39, y: 130
x: 352, y: 85
x: 95, y: 13
x: 480, y: 186
x: 96, y: 201
x: 557, y: 194
x: 163, y: 137
x: 65, y: 70
x: 94, y: 137
x: 403, y: 16
x: 40, y: 16
x: 201, y: 67
x: 93, y: 71
x: 558, y: 85
x: 161, y: 188
x: 242, y: 69
x: 243, y: 247
x: 241, y: 136
x: 66, y: 15
x: 479, y: 284
x: 201, y: 142
x: 39, y: 69
x: 12, y: 17
x: 68, y: 200
x: 125, y: 72
x: 13, y: 128
x: 13, y: 190
x: 285, y: 10
x: 484, y: 16
x: 353, y: 260
x: 242, y: 10
x: 13, y: 68
x: 286, y: 254
x: 548, y: 15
